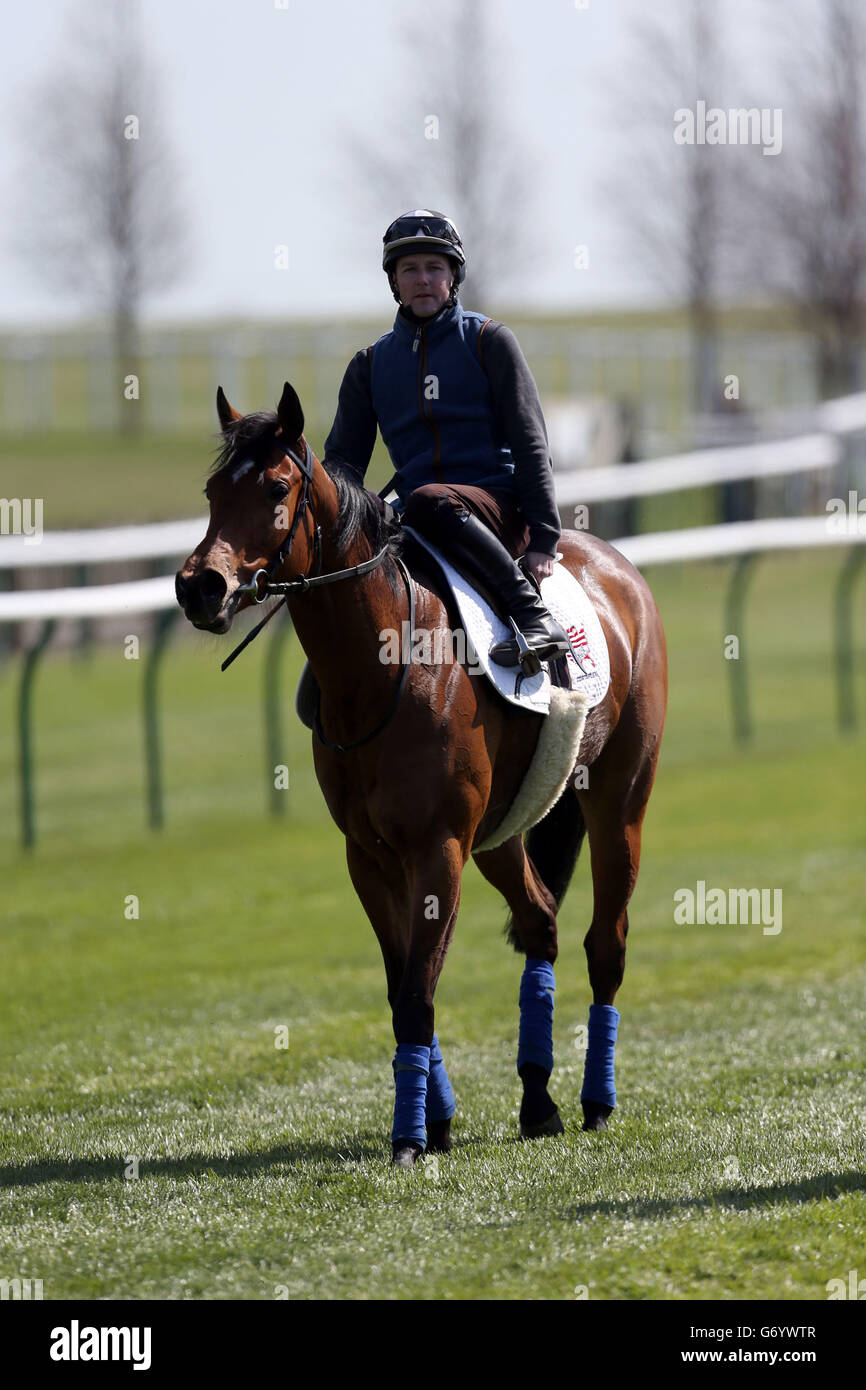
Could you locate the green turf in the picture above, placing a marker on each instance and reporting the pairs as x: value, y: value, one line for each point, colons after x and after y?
x: 144, y: 478
x: 734, y: 1167
x: 158, y: 477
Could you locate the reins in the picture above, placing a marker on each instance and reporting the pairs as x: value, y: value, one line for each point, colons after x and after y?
x: 307, y: 582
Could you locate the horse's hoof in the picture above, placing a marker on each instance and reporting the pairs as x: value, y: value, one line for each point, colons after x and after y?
x: 552, y: 1125
x: 439, y: 1137
x: 595, y: 1114
x: 404, y: 1153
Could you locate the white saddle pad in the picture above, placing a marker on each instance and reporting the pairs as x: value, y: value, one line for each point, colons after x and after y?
x: 569, y: 605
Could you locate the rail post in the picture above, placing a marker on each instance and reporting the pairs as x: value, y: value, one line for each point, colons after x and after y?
x: 846, y: 696
x: 84, y: 645
x: 153, y: 768
x: 273, y: 712
x: 734, y: 618
x: 25, y: 734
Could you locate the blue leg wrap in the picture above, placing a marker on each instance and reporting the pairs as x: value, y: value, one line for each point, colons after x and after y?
x: 411, y: 1069
x: 598, y: 1070
x: 536, y: 1014
x: 440, y: 1097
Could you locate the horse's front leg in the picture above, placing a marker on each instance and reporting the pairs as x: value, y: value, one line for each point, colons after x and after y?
x: 413, y: 957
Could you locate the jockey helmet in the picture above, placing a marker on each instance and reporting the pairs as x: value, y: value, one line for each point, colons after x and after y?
x: 423, y: 230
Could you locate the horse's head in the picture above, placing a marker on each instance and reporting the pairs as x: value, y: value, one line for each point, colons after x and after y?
x: 258, y: 517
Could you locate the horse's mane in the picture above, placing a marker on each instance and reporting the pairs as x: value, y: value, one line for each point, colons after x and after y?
x: 253, y: 437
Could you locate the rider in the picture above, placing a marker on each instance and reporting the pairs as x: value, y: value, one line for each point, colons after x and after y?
x: 459, y: 412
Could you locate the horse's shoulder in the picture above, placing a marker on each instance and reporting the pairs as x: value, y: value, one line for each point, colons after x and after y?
x: 428, y: 579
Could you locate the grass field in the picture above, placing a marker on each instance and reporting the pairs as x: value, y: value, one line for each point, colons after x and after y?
x: 159, y: 477
x: 734, y: 1167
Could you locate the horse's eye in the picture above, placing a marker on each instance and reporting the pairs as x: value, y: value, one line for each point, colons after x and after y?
x: 278, y: 491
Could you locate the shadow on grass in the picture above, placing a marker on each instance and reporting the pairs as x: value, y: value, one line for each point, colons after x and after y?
x: 823, y: 1186
x: 358, y: 1148
x: 369, y: 1145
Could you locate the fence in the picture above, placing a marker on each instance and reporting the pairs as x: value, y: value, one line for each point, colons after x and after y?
x: 69, y: 380
x: 745, y: 541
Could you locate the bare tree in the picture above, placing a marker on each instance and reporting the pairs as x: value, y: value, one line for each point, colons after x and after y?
x: 673, y: 199
x: 807, y: 209
x: 98, y: 213
x: 452, y: 146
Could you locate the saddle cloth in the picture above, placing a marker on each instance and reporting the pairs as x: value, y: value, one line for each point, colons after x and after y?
x: 560, y: 734
x: 567, y: 601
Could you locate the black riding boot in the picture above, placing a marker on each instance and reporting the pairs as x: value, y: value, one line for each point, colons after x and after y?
x: 481, y: 557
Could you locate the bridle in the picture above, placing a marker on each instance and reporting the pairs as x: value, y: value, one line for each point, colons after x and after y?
x: 305, y: 465
x: 306, y: 582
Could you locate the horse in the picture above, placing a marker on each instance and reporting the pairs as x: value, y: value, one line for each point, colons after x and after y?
x: 418, y: 762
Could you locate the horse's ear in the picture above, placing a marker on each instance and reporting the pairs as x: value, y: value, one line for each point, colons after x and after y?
x: 290, y: 414
x: 224, y: 410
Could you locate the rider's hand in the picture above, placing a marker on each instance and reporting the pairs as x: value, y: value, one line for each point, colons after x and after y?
x: 538, y: 565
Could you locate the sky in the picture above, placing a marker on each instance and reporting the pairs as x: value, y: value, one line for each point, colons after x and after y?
x: 263, y: 99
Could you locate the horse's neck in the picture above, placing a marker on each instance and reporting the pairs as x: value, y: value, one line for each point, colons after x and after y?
x: 340, y: 626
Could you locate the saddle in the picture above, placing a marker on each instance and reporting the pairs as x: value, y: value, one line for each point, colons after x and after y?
x: 477, y: 614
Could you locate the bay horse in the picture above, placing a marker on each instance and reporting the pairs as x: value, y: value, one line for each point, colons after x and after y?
x: 419, y: 762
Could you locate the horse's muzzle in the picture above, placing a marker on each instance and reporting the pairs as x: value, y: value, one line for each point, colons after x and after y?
x: 202, y: 597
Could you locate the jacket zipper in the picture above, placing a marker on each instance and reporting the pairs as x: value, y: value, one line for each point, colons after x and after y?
x: 426, y: 415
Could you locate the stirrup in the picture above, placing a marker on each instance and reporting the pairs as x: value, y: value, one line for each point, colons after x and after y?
x: 517, y: 651
x: 530, y: 661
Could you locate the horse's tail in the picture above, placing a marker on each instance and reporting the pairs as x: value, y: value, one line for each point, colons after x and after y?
x: 553, y: 846
x: 554, y: 843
